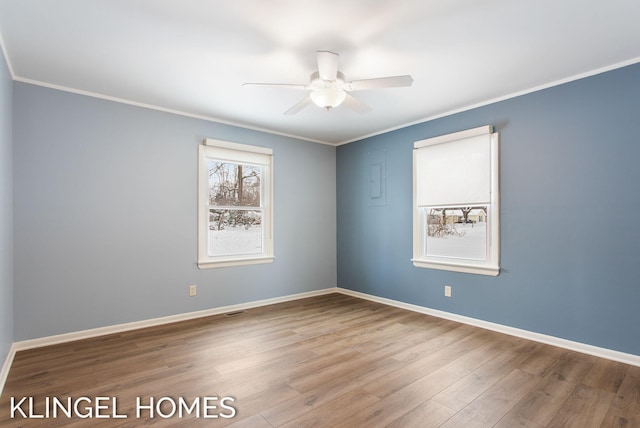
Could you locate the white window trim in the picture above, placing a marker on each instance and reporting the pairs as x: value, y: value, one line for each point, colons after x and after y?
x: 233, y: 150
x: 492, y: 265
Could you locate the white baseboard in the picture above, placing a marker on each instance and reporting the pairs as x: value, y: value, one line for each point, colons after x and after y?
x: 596, y: 351
x: 119, y: 328
x: 4, y: 371
x: 537, y: 337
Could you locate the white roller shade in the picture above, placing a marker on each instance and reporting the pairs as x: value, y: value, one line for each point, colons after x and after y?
x: 454, y: 172
x: 235, y: 152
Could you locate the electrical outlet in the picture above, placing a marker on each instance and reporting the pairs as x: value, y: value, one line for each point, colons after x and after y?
x: 447, y: 291
x: 192, y: 290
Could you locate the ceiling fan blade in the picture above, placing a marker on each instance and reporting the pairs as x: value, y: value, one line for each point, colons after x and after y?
x: 355, y: 104
x: 380, y: 82
x: 278, y: 85
x: 327, y: 65
x: 299, y: 106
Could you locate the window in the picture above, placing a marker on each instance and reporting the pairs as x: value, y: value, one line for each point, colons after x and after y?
x: 456, y: 202
x: 235, y: 204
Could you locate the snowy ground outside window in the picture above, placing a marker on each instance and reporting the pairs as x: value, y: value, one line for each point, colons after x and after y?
x: 468, y: 242
x: 235, y: 240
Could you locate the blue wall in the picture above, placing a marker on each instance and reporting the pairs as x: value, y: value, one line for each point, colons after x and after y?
x: 6, y: 212
x: 105, y: 215
x: 570, y: 224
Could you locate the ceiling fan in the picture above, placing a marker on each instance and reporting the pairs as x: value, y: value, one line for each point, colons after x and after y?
x: 328, y: 87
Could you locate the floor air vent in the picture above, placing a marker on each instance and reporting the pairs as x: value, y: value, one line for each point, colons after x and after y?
x: 234, y: 314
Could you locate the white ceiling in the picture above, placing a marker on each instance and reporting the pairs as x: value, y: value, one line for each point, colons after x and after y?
x: 192, y: 56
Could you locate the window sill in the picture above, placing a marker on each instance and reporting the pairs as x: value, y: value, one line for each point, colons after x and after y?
x: 457, y: 267
x: 210, y: 264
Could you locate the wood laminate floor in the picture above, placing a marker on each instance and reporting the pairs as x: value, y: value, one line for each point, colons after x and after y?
x: 327, y: 361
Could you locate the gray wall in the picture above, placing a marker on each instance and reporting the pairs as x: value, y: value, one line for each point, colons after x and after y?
x: 570, y: 230
x: 6, y: 212
x: 105, y: 215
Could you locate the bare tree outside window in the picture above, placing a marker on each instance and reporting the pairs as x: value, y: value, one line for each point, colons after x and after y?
x: 235, y: 210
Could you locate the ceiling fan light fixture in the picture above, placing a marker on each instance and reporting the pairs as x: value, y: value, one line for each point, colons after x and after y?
x: 328, y: 87
x: 328, y: 98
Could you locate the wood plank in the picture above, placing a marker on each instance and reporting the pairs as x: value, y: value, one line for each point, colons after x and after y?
x: 478, y: 381
x: 333, y: 412
x: 280, y: 414
x: 429, y: 363
x: 496, y: 402
x: 586, y: 407
x: 253, y: 421
x: 606, y: 375
x: 395, y: 405
x: 429, y: 414
x: 542, y: 403
x: 625, y: 408
x: 334, y: 361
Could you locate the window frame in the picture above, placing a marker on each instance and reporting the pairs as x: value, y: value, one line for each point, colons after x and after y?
x: 489, y: 266
x: 242, y: 154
